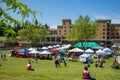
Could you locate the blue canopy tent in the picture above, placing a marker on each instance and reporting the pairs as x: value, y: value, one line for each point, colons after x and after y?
x: 23, y: 51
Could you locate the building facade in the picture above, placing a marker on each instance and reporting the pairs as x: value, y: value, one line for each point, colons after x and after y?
x: 107, y: 32
x: 64, y: 29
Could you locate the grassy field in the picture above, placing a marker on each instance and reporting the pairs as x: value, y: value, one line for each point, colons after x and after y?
x: 14, y: 69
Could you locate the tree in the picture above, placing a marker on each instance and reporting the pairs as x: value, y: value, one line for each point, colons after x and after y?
x: 17, y: 7
x: 34, y: 34
x: 83, y: 29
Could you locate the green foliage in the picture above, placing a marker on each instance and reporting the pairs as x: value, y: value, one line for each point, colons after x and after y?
x: 17, y: 7
x: 33, y: 33
x: 83, y: 29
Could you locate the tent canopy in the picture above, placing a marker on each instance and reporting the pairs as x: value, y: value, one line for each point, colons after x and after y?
x: 23, y: 51
x: 89, y: 51
x: 86, y: 44
x: 76, y: 50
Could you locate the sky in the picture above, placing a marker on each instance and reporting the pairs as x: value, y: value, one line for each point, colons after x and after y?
x: 53, y: 11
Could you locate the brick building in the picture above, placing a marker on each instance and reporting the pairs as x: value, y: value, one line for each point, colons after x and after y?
x: 107, y: 32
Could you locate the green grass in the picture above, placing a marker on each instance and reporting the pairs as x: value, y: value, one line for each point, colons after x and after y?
x: 14, y: 69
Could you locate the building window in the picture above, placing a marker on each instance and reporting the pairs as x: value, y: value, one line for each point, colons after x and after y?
x: 65, y: 27
x: 64, y: 30
x: 69, y: 23
x: 112, y: 33
x: 59, y: 30
x: 108, y: 33
x: 103, y: 37
x: 103, y: 29
x: 108, y: 29
x: 103, y: 33
x: 70, y: 26
x: 103, y: 25
x: 108, y: 37
x: 64, y: 23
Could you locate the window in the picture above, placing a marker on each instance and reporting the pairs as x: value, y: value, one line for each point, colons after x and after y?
x: 70, y: 26
x: 65, y: 27
x: 103, y: 37
x: 108, y: 37
x: 108, y: 33
x: 103, y: 33
x: 64, y: 30
x: 64, y: 33
x: 103, y: 29
x: 103, y: 25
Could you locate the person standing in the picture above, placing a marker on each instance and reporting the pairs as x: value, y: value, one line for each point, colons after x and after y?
x: 4, y: 56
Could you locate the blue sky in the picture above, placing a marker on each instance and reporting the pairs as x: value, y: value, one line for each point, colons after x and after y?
x: 53, y: 11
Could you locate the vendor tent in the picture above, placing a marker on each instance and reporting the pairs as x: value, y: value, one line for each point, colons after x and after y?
x: 100, y: 52
x: 31, y: 49
x: 34, y: 52
x: 23, y: 51
x: 87, y: 58
x: 89, y: 51
x: 76, y: 50
x: 86, y: 44
x: 45, y: 52
x: 107, y: 51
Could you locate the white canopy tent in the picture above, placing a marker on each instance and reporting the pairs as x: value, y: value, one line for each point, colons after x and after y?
x: 44, y: 48
x: 34, y: 52
x: 86, y: 58
x: 75, y: 50
x: 45, y: 52
x: 89, y: 51
x: 100, y: 52
x: 31, y: 49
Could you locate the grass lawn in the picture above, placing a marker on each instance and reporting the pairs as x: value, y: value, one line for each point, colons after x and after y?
x: 14, y: 69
